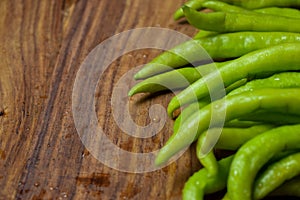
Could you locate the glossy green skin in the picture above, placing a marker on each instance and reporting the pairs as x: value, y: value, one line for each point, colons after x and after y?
x: 247, y: 66
x: 208, y: 161
x: 290, y: 188
x: 234, y: 21
x: 229, y: 45
x: 202, y: 182
x: 196, y: 4
x: 189, y: 110
x: 252, y: 156
x: 287, y: 12
x: 280, y: 80
x: 235, y: 107
x: 248, y: 4
x: 240, y: 135
x: 276, y: 174
x: 221, y: 6
x: 254, y: 4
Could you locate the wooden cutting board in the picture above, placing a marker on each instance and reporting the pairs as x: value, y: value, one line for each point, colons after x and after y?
x: 42, y: 46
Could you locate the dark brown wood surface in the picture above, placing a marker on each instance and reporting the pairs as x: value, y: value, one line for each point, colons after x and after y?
x: 42, y: 45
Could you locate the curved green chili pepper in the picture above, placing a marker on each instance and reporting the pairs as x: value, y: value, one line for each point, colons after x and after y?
x: 196, y: 4
x: 233, y: 21
x: 235, y: 106
x: 228, y: 45
x: 225, y: 141
x: 260, y: 61
x: 189, y: 110
x: 202, y: 182
x: 209, y: 161
x: 287, y: 12
x: 175, y: 79
x: 276, y: 174
x: 248, y: 4
x: 221, y: 6
x: 233, y: 138
x: 280, y: 80
x: 253, y: 4
x: 254, y: 154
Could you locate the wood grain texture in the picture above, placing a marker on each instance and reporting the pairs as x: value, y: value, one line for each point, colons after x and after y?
x: 42, y: 44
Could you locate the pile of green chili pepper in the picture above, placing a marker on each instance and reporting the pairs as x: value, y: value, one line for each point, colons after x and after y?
x: 255, y: 47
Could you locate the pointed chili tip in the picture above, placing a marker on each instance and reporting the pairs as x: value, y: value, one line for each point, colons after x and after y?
x: 172, y: 106
x: 158, y: 162
x: 178, y: 14
x: 131, y: 92
x: 137, y: 76
x: 160, y: 158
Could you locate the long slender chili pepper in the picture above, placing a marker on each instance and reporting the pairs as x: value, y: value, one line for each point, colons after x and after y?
x: 234, y: 22
x: 189, y: 110
x: 202, y: 182
x: 222, y: 6
x: 229, y: 45
x: 235, y: 106
x: 248, y: 4
x: 172, y: 80
x: 251, y: 157
x: 276, y: 174
x: 260, y: 61
x: 280, y: 80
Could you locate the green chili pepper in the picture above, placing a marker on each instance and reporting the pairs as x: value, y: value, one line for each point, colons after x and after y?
x: 280, y: 80
x: 290, y: 188
x: 259, y: 61
x: 248, y: 4
x: 228, y: 45
x: 253, y: 4
x: 196, y: 4
x: 287, y: 12
x: 209, y: 161
x: 233, y: 138
x: 233, y: 21
x: 200, y: 104
x: 175, y: 79
x: 240, y: 135
x: 254, y: 154
x: 202, y: 182
x: 235, y: 106
x: 276, y: 174
x: 187, y: 112
x: 225, y: 141
x: 221, y: 6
